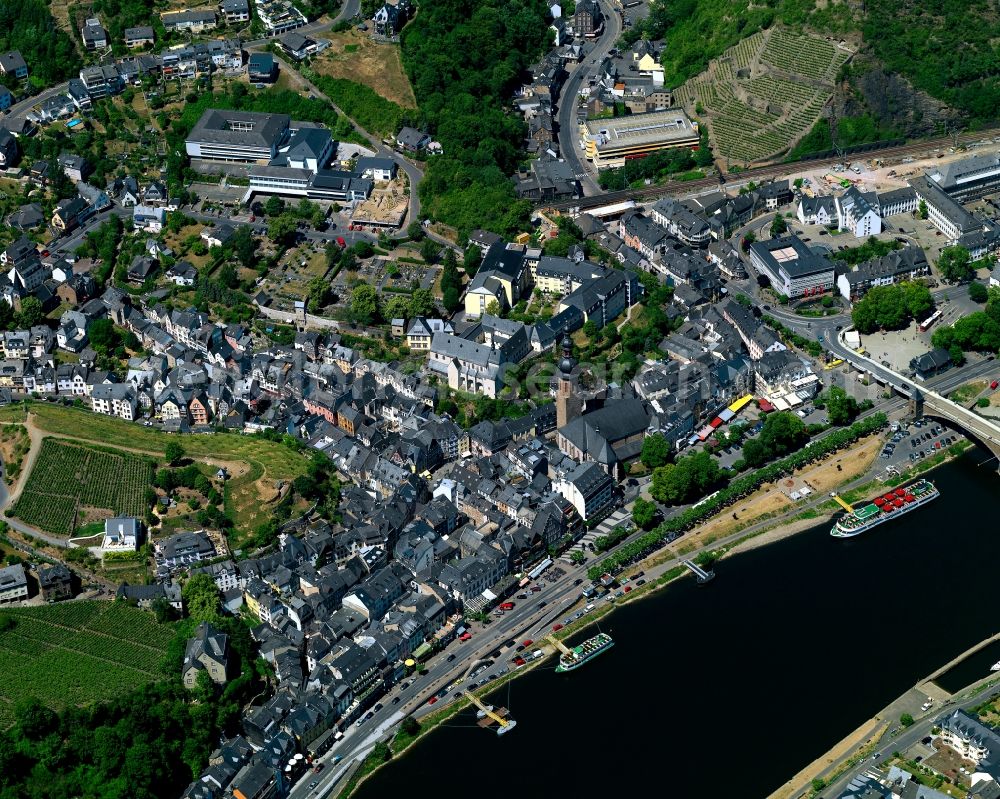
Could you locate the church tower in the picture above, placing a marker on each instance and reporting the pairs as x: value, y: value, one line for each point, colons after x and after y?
x: 568, y: 402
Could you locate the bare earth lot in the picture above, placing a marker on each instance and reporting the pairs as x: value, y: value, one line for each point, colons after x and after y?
x: 354, y: 56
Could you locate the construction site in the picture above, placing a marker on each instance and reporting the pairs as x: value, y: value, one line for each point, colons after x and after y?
x: 386, y: 208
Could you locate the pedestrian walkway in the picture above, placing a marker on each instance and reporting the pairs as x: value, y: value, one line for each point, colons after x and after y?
x: 605, y: 527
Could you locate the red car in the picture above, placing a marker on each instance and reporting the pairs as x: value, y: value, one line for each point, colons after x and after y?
x: 556, y: 628
x: 432, y: 700
x: 627, y: 588
x: 465, y: 636
x: 527, y: 642
x: 519, y: 661
x: 506, y: 606
x: 341, y: 242
x: 994, y: 384
x: 253, y: 219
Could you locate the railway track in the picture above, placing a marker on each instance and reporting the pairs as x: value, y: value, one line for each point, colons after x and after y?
x: 765, y: 172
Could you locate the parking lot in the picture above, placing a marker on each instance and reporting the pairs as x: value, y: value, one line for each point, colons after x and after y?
x: 921, y: 439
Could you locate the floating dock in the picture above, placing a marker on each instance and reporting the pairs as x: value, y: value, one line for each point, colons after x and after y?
x: 488, y: 715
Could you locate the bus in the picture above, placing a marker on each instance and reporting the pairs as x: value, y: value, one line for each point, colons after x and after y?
x: 930, y: 320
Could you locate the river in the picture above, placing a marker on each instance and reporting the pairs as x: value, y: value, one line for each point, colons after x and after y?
x: 732, y: 688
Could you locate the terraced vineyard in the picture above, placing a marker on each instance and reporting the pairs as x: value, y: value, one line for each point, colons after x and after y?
x: 764, y: 93
x: 803, y: 55
x: 66, y: 477
x: 78, y: 652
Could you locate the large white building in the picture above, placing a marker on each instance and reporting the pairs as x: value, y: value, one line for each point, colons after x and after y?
x: 968, y: 179
x: 611, y: 142
x: 793, y: 269
x: 858, y: 212
x: 237, y: 136
x: 588, y: 488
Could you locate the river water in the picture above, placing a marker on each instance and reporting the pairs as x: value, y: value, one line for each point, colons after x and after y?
x: 732, y: 688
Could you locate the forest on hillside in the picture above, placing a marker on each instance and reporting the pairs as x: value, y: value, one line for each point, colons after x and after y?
x: 464, y: 60
x: 27, y: 25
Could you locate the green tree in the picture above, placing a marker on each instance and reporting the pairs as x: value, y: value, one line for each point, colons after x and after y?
x: 31, y: 313
x: 655, y: 451
x: 955, y: 264
x: 493, y: 308
x: 778, y: 226
x: 274, y: 206
x: 429, y: 250
x: 891, y: 307
x: 410, y: 726
x: 243, y: 246
x: 201, y: 598
x: 415, y: 231
x: 644, y: 514
x: 472, y: 259
x: 783, y: 432
x: 364, y: 304
x: 173, y: 453
x: 922, y: 209
x: 690, y: 477
x: 906, y: 720
x: 754, y: 453
x: 577, y: 557
x: 319, y: 295
x: 841, y: 408
x: 102, y: 335
x: 422, y: 303
x: 397, y: 307
x: 281, y: 229
x: 978, y: 292
x: 451, y: 299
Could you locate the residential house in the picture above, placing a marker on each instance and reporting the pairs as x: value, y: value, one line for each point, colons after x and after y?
x: 908, y: 263
x: 148, y: 218
x: 817, y: 210
x: 12, y: 63
x: 182, y: 273
x: 191, y: 20
x: 262, y: 68
x: 74, y: 166
x: 422, y: 331
x: 13, y: 584
x: 859, y: 213
x: 588, y: 21
x: 412, y: 140
x: 234, y: 11
x: 121, y: 534
x: 298, y: 46
x: 589, y: 489
x: 208, y: 652
x: 55, y: 583
x: 70, y: 214
x: 94, y: 36
x: 140, y: 36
